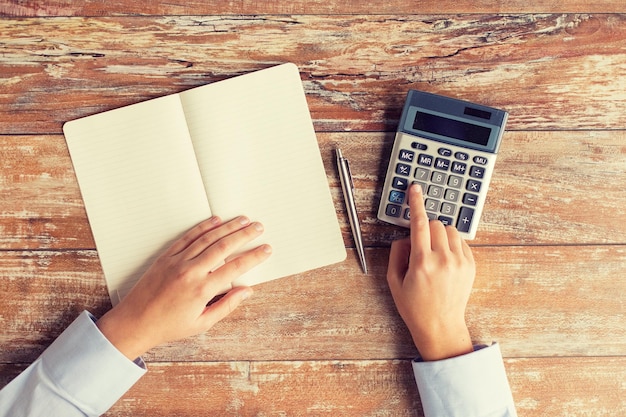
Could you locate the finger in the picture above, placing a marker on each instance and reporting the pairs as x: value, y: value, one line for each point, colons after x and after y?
x: 467, y: 251
x: 398, y: 263
x: 192, y: 234
x: 420, y: 231
x: 212, y: 236
x: 224, y: 276
x: 438, y: 236
x: 454, y: 240
x: 224, y: 306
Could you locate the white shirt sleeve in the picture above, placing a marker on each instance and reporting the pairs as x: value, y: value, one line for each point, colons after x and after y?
x: 80, y: 374
x: 471, y: 385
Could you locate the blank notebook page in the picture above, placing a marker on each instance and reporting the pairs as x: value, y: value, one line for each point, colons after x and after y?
x: 140, y: 182
x: 258, y: 155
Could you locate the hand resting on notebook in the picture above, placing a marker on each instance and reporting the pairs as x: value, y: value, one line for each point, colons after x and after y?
x: 430, y: 276
x: 170, y: 300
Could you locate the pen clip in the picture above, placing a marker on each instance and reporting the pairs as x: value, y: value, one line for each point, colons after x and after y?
x: 349, y: 173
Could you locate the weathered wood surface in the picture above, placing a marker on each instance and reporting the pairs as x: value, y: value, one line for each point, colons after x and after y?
x: 550, y: 249
x: 548, y: 188
x: 57, y: 69
x: 25, y: 8
x: 541, y: 387
x: 535, y: 300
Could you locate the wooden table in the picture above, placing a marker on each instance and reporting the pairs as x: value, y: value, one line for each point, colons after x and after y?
x: 551, y: 286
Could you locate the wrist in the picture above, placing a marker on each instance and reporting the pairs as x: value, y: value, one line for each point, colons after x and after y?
x: 122, y: 336
x: 447, y: 342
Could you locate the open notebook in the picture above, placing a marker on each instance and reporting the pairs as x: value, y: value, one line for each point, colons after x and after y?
x: 150, y: 171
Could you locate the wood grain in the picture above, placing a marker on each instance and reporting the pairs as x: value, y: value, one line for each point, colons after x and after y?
x: 550, y: 249
x: 56, y: 69
x: 541, y: 387
x: 536, y: 301
x: 24, y: 8
x: 548, y: 188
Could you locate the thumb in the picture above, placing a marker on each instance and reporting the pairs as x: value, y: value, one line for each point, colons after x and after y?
x: 224, y: 306
x: 398, y: 263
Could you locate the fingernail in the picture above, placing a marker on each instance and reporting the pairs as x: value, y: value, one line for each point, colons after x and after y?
x: 267, y: 249
x: 258, y: 227
x: 243, y: 220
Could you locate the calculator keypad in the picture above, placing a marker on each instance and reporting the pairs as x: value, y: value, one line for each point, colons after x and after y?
x: 451, y: 182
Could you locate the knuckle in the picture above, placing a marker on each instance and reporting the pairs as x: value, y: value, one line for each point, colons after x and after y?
x: 182, y: 274
x: 222, y: 246
x: 238, y: 264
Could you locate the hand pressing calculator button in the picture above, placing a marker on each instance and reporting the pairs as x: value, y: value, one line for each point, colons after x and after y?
x: 449, y: 148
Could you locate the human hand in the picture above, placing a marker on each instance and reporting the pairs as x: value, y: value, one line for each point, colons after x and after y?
x: 430, y: 275
x: 169, y: 302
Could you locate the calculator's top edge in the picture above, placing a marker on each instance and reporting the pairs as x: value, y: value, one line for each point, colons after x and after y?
x: 460, y: 112
x: 433, y: 98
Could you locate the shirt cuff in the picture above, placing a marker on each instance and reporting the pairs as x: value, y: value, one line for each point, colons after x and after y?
x: 470, y: 385
x: 87, y: 368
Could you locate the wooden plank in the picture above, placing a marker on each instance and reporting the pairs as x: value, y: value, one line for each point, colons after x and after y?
x: 30, y: 8
x: 547, y: 386
x: 41, y: 202
x: 541, y: 387
x: 550, y: 71
x: 536, y: 301
x: 548, y: 187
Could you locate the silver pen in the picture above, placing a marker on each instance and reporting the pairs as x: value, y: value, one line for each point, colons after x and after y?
x: 347, y: 186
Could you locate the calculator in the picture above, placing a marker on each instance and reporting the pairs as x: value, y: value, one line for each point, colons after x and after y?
x: 449, y: 148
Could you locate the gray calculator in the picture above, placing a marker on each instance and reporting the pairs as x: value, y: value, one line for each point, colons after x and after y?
x: 449, y: 148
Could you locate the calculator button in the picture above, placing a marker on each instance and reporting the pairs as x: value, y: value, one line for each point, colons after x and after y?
x: 396, y: 197
x: 459, y: 168
x: 438, y: 178
x: 446, y: 220
x: 435, y: 191
x: 422, y: 174
x: 473, y: 185
x: 420, y: 146
x: 444, y: 152
x: 451, y: 195
x: 448, y: 209
x: 477, y: 172
x: 406, y: 156
x: 431, y: 216
x: 431, y: 205
x: 461, y: 156
x: 470, y: 199
x: 455, y: 182
x: 407, y: 214
x: 393, y: 211
x: 443, y: 164
x: 480, y: 160
x: 421, y: 184
x: 465, y: 219
x: 400, y: 183
x: 403, y: 169
x: 425, y: 160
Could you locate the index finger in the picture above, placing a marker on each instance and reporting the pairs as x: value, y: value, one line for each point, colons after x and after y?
x: 420, y: 229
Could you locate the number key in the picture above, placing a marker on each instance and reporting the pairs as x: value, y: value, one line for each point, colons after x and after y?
x: 435, y: 191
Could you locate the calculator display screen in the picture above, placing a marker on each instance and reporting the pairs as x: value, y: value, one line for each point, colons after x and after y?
x: 456, y: 129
